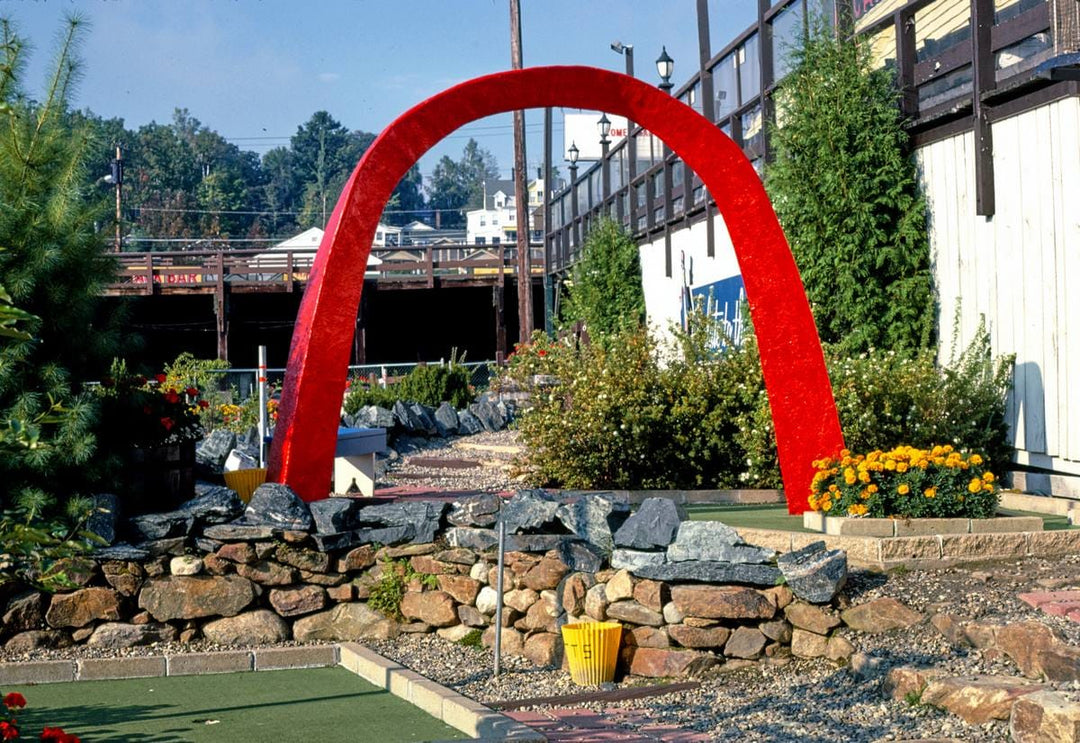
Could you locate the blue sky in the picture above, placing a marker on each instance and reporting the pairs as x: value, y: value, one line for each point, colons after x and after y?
x: 254, y: 70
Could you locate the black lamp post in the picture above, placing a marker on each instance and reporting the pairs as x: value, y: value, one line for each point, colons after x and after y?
x: 573, y: 152
x: 604, y: 127
x: 665, y: 65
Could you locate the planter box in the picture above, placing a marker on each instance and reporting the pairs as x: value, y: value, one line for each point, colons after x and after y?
x: 887, y: 528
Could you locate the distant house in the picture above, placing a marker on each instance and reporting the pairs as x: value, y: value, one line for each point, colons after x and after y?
x: 303, y: 247
x: 496, y: 222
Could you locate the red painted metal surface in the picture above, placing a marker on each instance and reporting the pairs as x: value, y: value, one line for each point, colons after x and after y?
x: 800, y: 396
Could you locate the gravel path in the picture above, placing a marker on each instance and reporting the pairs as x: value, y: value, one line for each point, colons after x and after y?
x: 490, y: 456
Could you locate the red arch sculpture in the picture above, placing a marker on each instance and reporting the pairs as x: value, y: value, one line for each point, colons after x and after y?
x: 800, y: 395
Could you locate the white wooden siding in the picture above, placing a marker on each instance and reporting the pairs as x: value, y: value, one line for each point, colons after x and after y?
x: 1020, y: 269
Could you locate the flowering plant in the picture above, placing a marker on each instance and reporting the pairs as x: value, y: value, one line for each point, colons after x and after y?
x: 905, y: 483
x: 9, y: 729
x: 153, y: 411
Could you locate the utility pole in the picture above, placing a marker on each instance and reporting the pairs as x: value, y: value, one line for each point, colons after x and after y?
x: 117, y: 175
x: 524, y: 262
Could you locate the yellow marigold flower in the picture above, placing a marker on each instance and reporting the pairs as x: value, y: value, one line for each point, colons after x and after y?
x: 947, y: 448
x: 901, y: 466
x: 833, y: 488
x: 930, y: 492
x: 988, y: 476
x: 871, y: 488
x: 975, y: 459
x: 845, y: 453
x: 857, y: 509
x: 826, y: 505
x: 864, y: 494
x: 890, y: 464
x: 903, y: 488
x: 988, y: 487
x: 963, y: 465
x: 864, y: 476
x: 975, y: 485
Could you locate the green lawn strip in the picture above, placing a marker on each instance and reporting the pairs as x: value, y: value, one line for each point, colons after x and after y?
x: 1050, y: 522
x: 752, y: 516
x: 318, y: 704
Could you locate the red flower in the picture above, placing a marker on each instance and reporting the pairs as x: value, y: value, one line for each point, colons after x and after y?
x: 204, y: 404
x: 14, y: 700
x: 171, y: 397
x: 8, y: 731
x: 191, y: 392
x: 541, y: 352
x: 57, y: 735
x: 160, y: 378
x: 167, y: 423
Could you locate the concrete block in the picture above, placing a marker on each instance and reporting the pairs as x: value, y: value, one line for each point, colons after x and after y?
x: 318, y: 656
x: 190, y: 664
x: 428, y: 696
x: 849, y: 527
x: 930, y: 527
x: 1037, y: 503
x: 982, y: 546
x: 36, y: 672
x: 367, y: 664
x: 470, y: 717
x: 91, y: 669
x: 813, y: 520
x: 910, y: 548
x: 1006, y: 524
x: 400, y: 679
x: 1048, y: 543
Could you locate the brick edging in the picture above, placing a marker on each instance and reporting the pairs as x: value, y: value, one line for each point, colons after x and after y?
x: 447, y: 705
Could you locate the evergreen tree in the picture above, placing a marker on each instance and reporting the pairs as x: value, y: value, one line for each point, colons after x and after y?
x: 53, y: 264
x: 605, y: 293
x: 845, y: 189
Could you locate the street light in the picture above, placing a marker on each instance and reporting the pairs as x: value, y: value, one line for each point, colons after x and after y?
x: 627, y: 50
x: 665, y: 65
x: 573, y: 153
x: 604, y: 127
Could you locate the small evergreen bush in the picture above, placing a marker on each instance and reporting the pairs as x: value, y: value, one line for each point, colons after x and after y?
x: 605, y: 293
x: 431, y: 384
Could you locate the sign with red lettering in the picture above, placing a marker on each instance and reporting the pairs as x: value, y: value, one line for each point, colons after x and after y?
x: 862, y: 7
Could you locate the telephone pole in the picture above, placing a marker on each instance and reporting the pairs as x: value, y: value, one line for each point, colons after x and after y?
x: 117, y: 173
x: 521, y: 189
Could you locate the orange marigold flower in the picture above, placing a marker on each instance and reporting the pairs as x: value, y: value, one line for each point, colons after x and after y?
x: 903, y: 488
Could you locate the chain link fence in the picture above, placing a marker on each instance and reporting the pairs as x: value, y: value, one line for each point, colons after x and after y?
x: 243, y: 383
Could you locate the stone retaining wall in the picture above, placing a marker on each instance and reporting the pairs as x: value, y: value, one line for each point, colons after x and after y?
x: 690, y: 594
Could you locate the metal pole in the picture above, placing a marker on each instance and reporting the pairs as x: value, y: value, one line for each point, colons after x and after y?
x: 262, y: 406
x: 499, y: 597
x: 119, y: 178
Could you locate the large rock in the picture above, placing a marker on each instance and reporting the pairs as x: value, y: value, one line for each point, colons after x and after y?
x: 303, y: 559
x: 581, y: 556
x: 620, y: 586
x: 426, y: 418
x: 808, y: 644
x: 213, y: 504
x: 334, y: 515
x: 469, y: 424
x: 267, y: 573
x: 161, y: 525
x: 1030, y: 645
x: 446, y: 419
x: 238, y: 531
x: 424, y: 517
x: 520, y: 599
x: 543, y: 615
x: 699, y: 637
x: 530, y: 511
x: 104, y: 517
x: 661, y: 663
x: 430, y: 607
x: 373, y: 416
x: 543, y: 649
x: 214, y: 449
x: 634, y: 560
x: 38, y: 639
x: 117, y: 635
x: 880, y: 615
x: 631, y: 611
x: 652, y: 526
x: 297, y: 601
x: 1045, y: 716
x: 546, y: 574
x: 596, y: 602
x: 461, y: 588
x: 475, y: 510
x: 594, y: 517
x: 344, y: 623
x: 480, y: 540
x: 745, y: 642
x: 196, y: 596
x: 711, y: 572
x: 722, y: 602
x: 25, y: 611
x: 813, y: 573
x: 80, y: 608
x: 573, y: 592
x: 275, y: 504
x: 383, y: 535
x: 978, y: 699
x: 488, y: 414
x: 486, y: 600
x: 257, y: 627
x: 716, y: 542
x: 810, y: 618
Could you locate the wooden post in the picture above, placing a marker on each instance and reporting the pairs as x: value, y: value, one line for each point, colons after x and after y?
x: 521, y: 191
x: 982, y: 55
x: 905, y: 62
x: 221, y: 310
x: 500, y: 320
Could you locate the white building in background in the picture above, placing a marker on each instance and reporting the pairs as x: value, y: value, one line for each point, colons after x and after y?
x: 496, y: 223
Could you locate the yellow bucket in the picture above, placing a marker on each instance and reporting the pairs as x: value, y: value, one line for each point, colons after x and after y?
x: 244, y: 482
x: 592, y: 649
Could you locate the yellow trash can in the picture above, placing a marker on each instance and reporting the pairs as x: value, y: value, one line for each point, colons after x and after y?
x: 244, y: 482
x: 592, y: 649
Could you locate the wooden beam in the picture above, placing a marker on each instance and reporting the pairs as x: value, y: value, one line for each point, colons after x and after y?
x: 982, y: 24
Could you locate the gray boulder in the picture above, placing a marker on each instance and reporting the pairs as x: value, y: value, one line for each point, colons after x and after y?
x: 426, y: 418
x: 530, y: 511
x: 387, y: 535
x: 406, y: 419
x: 594, y: 517
x: 716, y: 542
x: 475, y: 510
x: 581, y: 557
x: 122, y: 551
x: 474, y: 539
x: 711, y: 572
x: 488, y: 414
x: 104, y: 517
x: 632, y: 560
x: 332, y: 515
x: 154, y: 526
x: 653, y: 526
x: 814, y: 573
x: 446, y: 419
x: 424, y: 517
x: 213, y: 504
x: 214, y: 449
x: 469, y: 424
x: 239, y: 531
x: 240, y: 459
x: 275, y: 504
x: 249, y: 439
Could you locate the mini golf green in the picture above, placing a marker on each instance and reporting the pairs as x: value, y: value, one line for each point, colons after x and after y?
x: 317, y: 704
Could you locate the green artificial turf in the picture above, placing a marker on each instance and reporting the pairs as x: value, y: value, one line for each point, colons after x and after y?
x: 752, y: 516
x: 317, y: 704
x: 1050, y: 523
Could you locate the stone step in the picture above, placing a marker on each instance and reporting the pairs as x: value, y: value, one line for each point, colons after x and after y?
x: 440, y: 463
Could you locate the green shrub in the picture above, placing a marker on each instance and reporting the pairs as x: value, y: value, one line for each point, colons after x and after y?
x: 605, y: 293
x: 428, y: 384
x: 474, y: 639
x: 386, y: 595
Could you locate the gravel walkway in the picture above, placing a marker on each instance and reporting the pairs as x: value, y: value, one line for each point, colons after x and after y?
x: 482, y: 462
